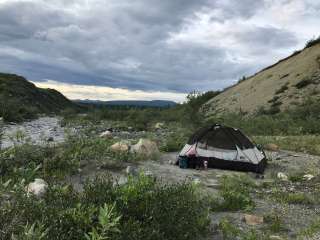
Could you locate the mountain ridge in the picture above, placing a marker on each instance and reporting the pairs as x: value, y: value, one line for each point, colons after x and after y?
x: 20, y: 99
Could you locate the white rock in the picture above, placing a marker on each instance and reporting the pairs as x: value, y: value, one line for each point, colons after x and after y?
x: 121, y: 181
x: 38, y: 187
x: 145, y: 147
x: 106, y: 134
x: 275, y: 237
x: 131, y: 171
x: 282, y: 176
x: 308, y: 177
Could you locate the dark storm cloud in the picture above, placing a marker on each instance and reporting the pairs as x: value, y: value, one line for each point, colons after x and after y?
x: 147, y: 44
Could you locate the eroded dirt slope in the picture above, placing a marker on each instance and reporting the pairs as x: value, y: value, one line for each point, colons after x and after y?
x: 282, y: 85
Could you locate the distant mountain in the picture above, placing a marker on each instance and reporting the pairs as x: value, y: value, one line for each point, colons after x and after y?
x: 130, y: 103
x: 276, y: 88
x: 20, y: 99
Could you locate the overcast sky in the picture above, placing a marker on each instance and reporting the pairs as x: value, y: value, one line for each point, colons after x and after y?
x: 145, y: 49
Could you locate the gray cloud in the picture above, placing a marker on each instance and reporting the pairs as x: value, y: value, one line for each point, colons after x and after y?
x: 163, y: 45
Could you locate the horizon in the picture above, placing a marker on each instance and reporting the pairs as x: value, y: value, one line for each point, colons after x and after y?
x: 160, y: 54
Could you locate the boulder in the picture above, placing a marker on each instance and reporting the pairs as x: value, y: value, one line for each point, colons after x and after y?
x: 38, y: 187
x: 282, y: 176
x: 145, y: 147
x: 252, y: 219
x: 131, y: 171
x: 121, y: 146
x: 106, y: 134
x: 271, y: 147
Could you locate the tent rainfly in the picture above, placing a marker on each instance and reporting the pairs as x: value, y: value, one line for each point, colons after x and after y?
x: 223, y: 147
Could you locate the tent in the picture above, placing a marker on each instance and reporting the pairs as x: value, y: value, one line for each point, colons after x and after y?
x: 222, y: 147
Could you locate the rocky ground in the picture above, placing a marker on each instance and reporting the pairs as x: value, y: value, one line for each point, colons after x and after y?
x: 37, y: 131
x: 294, y: 217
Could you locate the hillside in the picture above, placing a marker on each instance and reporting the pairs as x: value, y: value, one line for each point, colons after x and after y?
x: 276, y: 88
x: 20, y: 98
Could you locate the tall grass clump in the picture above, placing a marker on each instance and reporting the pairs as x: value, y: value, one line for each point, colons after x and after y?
x: 234, y: 194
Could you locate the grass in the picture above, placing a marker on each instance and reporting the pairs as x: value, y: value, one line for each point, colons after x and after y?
x: 230, y: 232
x: 51, y: 162
x: 274, y: 221
x: 234, y: 193
x: 306, y: 143
x: 313, y: 228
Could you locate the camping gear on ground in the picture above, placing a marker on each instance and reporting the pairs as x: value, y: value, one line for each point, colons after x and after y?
x: 183, y: 162
x: 205, y: 164
x: 223, y: 147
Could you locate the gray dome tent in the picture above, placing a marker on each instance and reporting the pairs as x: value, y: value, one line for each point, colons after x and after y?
x: 223, y: 147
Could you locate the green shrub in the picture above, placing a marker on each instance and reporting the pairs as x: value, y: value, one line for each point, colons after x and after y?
x: 309, y: 143
x: 294, y: 198
x: 15, y: 112
x: 229, y: 230
x: 296, y: 176
x: 302, y: 120
x: 303, y: 83
x: 106, y: 211
x: 174, y: 142
x: 235, y: 194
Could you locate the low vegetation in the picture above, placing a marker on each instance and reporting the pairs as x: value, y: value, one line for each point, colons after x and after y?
x: 303, y: 83
x: 305, y: 143
x: 234, y: 193
x: 29, y: 161
x: 303, y: 120
x: 104, y: 211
